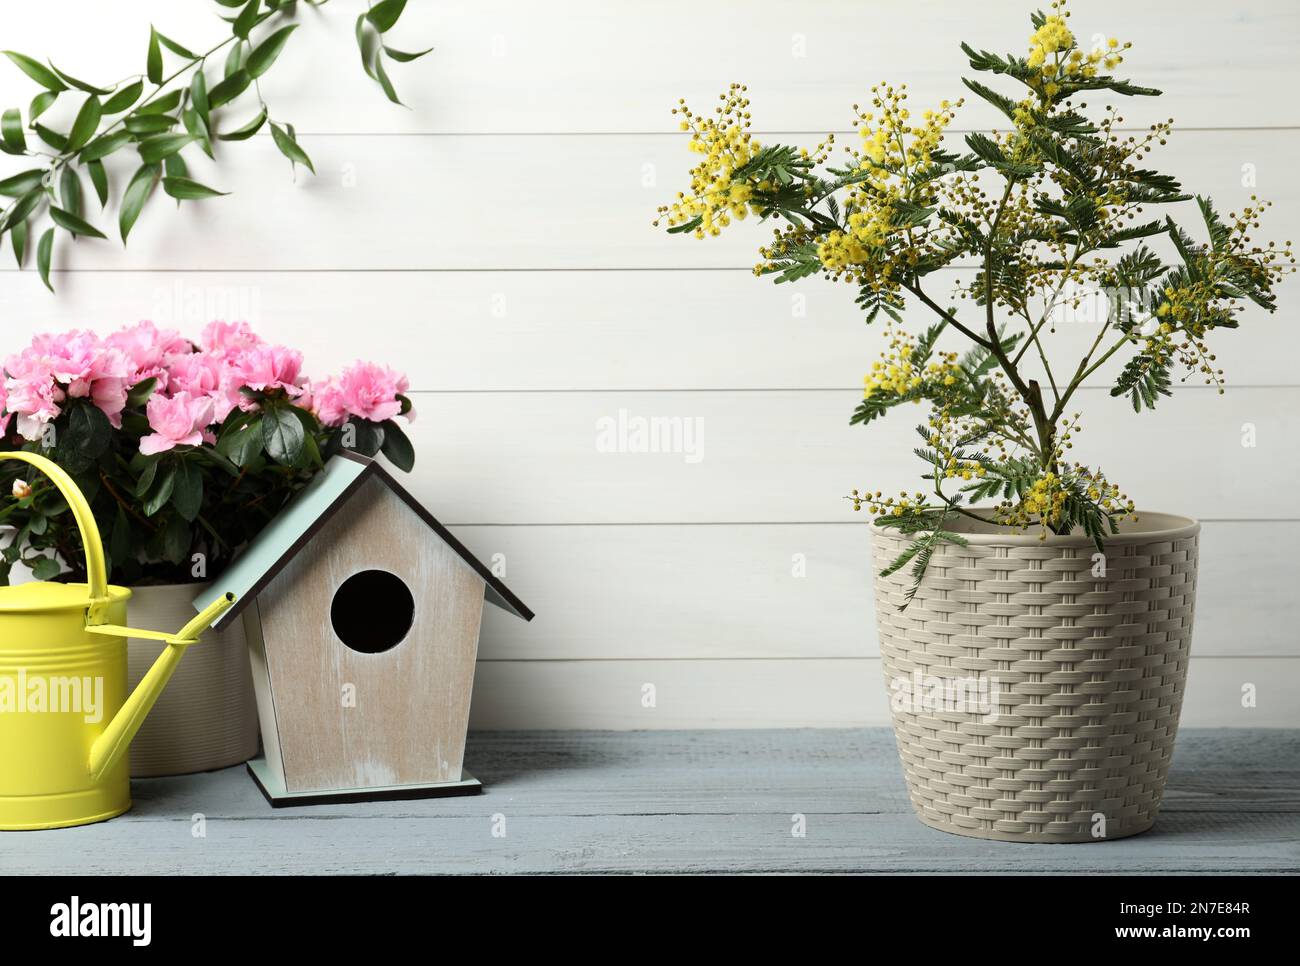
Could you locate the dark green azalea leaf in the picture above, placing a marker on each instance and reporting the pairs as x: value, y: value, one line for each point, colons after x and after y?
x: 71, y: 223
x: 136, y: 194
x: 44, y: 251
x: 385, y: 13
x: 86, y: 124
x: 37, y: 71
x: 162, y: 105
x: 186, y: 190
x: 41, y: 103
x: 99, y: 178
x: 80, y: 84
x: 402, y: 57
x: 288, y: 146
x: 19, y: 235
x: 230, y: 88
x: 154, y: 149
x: 247, y: 131
x: 187, y: 493
x: 265, y: 53
x: 283, y: 436
x: 70, y: 190
x: 176, y: 48
x: 11, y: 126
x: 105, y: 145
x: 246, y: 20
x: 123, y: 99
x: 154, y: 62
x: 397, y: 447
x: 161, y: 491
x: 20, y: 184
x: 53, y: 138
x: 144, y: 124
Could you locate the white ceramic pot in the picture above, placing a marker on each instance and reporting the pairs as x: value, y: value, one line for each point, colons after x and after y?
x: 1035, y: 685
x: 206, y: 717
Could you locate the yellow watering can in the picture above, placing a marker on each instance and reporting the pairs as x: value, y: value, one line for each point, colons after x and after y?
x: 65, y: 719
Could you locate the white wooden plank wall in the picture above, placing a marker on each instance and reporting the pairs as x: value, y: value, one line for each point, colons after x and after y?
x: 495, y: 242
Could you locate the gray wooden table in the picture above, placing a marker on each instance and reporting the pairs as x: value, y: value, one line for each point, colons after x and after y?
x: 676, y: 801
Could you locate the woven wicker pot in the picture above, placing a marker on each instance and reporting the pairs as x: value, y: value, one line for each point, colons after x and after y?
x: 206, y: 717
x: 1034, y: 695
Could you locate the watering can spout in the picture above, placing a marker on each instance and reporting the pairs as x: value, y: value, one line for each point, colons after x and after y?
x: 114, y: 741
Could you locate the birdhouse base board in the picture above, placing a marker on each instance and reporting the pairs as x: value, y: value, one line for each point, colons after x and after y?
x: 273, y: 790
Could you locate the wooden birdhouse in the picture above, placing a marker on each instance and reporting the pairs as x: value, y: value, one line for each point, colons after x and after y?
x: 362, y: 614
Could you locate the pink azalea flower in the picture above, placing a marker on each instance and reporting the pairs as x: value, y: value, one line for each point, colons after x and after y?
x: 229, y: 338
x: 31, y: 393
x: 365, y: 390
x: 149, y: 351
x: 179, y: 420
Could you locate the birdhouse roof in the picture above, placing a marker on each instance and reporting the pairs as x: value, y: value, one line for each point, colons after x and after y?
x: 291, y: 530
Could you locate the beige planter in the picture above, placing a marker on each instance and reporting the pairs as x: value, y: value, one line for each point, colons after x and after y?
x: 1035, y: 696
x: 206, y: 717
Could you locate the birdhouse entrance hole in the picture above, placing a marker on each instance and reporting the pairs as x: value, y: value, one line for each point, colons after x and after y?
x: 372, y: 611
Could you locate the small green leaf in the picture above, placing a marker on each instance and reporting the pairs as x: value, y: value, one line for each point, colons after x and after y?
x: 141, y: 391
x: 24, y: 206
x: 53, y: 138
x: 80, y: 84
x: 199, y: 95
x: 162, y: 105
x: 174, y: 166
x: 384, y: 14
x: 176, y: 539
x: 11, y: 125
x: 41, y: 103
x: 145, y: 124
x: 123, y: 99
x: 230, y: 88
x: 44, y: 250
x: 246, y: 20
x: 20, y: 184
x: 368, y: 44
x: 154, y: 149
x: 99, y: 178
x: 176, y: 48
x: 385, y: 83
x: 289, y: 147
x: 234, y: 59
x: 243, y: 446
x: 86, y: 124
x: 194, y: 124
x: 136, y: 194
x: 154, y: 63
x: 187, y: 190
x: 19, y: 235
x: 70, y: 190
x: 37, y: 71
x: 46, y: 568
x: 105, y: 145
x: 402, y: 57
x: 71, y: 223
x: 247, y: 131
x: 265, y: 53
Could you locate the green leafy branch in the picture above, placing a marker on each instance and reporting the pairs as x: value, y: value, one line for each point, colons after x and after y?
x: 160, y: 125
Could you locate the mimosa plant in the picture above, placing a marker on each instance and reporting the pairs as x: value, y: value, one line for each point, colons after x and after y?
x: 1059, y: 203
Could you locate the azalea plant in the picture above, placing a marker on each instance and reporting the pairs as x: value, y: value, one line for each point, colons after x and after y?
x: 185, y: 450
x: 1058, y: 208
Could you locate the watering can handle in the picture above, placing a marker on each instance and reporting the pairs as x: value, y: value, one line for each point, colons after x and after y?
x: 96, y: 571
